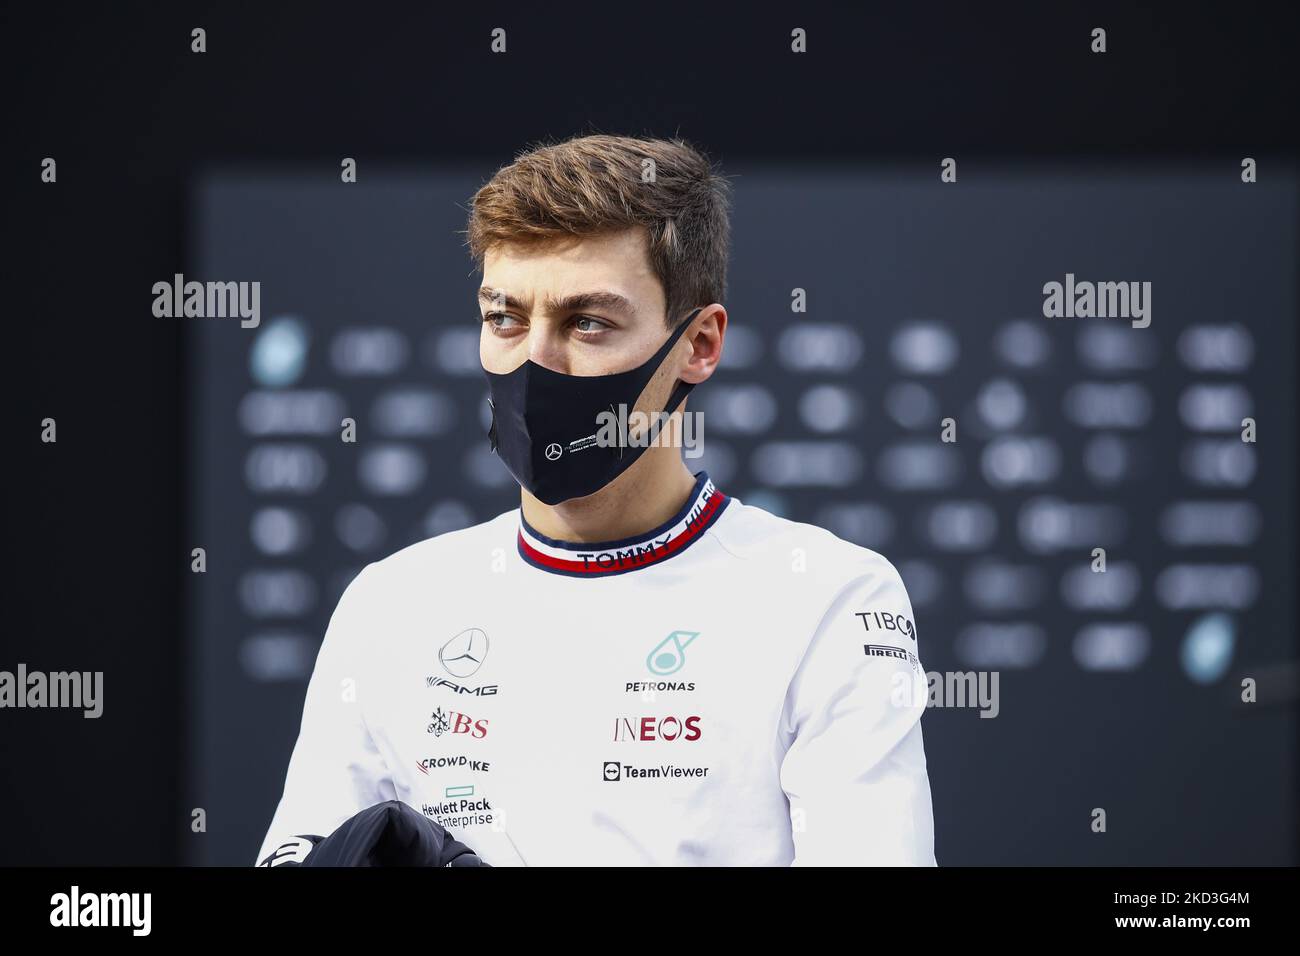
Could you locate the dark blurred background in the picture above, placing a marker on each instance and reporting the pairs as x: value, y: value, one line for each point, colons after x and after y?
x: 921, y: 296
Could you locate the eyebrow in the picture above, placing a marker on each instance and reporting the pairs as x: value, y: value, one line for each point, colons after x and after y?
x: 597, y: 299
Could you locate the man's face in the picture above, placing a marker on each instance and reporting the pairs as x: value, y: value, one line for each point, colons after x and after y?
x: 585, y: 307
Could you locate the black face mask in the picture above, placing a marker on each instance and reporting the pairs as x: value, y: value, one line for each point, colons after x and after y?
x: 544, y: 423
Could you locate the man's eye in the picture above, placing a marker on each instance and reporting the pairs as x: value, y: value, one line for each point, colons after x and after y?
x: 501, y: 320
x: 585, y: 323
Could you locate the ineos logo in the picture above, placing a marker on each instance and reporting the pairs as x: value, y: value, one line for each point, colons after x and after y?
x: 667, y: 728
x: 553, y: 451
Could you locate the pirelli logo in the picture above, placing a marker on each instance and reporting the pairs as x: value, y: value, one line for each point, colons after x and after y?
x: 885, y: 650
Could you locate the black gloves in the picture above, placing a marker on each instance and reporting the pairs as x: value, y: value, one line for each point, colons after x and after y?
x: 391, y: 834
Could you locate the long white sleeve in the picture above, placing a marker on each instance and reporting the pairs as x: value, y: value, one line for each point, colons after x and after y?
x: 335, y: 771
x: 855, y: 772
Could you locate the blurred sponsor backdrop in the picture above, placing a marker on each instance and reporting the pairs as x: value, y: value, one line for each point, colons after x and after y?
x: 1118, y: 690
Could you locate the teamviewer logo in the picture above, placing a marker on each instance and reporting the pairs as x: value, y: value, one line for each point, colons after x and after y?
x: 613, y: 771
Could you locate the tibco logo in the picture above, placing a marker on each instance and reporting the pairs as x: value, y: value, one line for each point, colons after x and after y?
x: 657, y: 728
x: 885, y: 621
x: 451, y: 722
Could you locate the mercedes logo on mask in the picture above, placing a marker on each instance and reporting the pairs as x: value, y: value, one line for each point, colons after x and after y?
x: 553, y: 451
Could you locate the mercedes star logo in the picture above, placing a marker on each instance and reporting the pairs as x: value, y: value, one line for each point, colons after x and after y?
x: 553, y: 451
x: 464, y: 653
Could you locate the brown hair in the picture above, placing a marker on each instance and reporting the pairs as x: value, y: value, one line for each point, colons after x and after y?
x: 588, y: 185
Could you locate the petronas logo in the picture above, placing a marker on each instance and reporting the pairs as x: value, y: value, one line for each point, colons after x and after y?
x: 669, y: 656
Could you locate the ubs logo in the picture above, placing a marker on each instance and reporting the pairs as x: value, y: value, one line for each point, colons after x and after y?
x: 450, y: 722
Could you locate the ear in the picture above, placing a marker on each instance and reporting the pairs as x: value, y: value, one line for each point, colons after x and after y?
x: 708, y: 329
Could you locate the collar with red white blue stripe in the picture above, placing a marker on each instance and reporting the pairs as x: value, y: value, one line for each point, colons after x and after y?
x: 606, y: 558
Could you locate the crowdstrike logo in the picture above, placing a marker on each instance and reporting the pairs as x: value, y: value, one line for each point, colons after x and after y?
x: 452, y: 763
x: 647, y: 729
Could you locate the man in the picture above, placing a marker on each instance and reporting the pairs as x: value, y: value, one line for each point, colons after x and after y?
x: 633, y: 667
